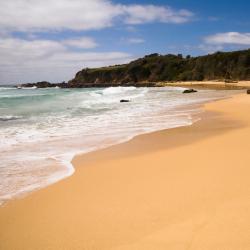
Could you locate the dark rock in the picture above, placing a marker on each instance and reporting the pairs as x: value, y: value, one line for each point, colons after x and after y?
x: 248, y: 91
x: 123, y: 100
x: 187, y: 91
x: 43, y: 84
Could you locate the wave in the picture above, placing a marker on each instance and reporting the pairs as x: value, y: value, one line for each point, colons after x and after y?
x: 6, y: 88
x: 21, y: 96
x: 34, y: 87
x: 6, y: 118
x: 117, y: 90
x: 63, y: 123
x: 113, y: 95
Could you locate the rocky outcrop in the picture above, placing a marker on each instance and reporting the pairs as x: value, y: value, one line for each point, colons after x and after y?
x: 231, y: 66
x: 123, y: 100
x: 187, y: 91
x: 43, y: 84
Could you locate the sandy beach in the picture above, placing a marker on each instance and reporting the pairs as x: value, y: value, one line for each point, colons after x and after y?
x: 215, y: 84
x: 183, y: 188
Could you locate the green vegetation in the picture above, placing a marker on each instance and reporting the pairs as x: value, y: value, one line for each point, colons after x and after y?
x: 228, y: 66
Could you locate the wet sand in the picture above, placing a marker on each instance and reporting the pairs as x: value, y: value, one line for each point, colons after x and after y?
x: 216, y: 84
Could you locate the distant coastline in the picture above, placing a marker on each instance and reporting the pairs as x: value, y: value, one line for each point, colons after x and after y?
x: 227, y: 70
x: 216, y: 84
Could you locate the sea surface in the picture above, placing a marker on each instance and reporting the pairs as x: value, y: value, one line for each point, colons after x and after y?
x: 42, y: 129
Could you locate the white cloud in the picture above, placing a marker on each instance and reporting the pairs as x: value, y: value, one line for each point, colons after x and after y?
x: 229, y: 38
x: 131, y: 28
x: 35, y: 59
x: 27, y: 61
x: 47, y: 15
x: 138, y: 14
x: 13, y: 51
x: 207, y: 48
x: 134, y: 40
x: 26, y: 15
x: 83, y: 43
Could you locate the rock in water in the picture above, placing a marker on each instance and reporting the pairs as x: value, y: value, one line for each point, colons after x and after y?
x: 186, y: 91
x: 123, y: 100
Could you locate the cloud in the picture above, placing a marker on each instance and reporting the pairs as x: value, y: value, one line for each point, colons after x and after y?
x: 229, y: 38
x: 131, y: 28
x: 135, y: 40
x: 13, y: 50
x: 82, y: 43
x: 138, y: 14
x: 47, y: 15
x: 210, y: 48
x: 34, y: 60
x: 26, y: 15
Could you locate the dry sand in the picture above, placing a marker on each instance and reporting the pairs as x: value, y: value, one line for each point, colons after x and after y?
x: 216, y: 84
x: 184, y: 188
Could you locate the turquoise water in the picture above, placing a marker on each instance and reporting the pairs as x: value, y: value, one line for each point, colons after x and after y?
x: 42, y: 129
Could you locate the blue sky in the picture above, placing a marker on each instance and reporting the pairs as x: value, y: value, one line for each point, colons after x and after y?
x: 53, y: 40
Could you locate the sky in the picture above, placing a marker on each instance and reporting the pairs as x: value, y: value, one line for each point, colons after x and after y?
x: 53, y: 39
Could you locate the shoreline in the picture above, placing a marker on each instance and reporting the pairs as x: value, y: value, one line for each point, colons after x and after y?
x: 64, y: 160
x: 71, y: 168
x: 206, y: 84
x: 97, y: 209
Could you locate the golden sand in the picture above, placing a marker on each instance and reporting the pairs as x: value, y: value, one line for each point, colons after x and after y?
x: 183, y: 188
x: 216, y: 84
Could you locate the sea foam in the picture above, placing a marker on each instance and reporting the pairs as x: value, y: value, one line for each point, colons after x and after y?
x: 42, y: 129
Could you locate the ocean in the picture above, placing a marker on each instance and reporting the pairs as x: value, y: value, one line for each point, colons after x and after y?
x: 41, y: 130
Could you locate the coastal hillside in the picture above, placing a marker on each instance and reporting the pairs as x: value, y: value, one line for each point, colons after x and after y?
x: 156, y: 68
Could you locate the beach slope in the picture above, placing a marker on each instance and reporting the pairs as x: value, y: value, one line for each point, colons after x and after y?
x: 183, y: 188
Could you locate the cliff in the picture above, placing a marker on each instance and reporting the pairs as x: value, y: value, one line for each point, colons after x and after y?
x: 155, y: 68
x: 227, y: 66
